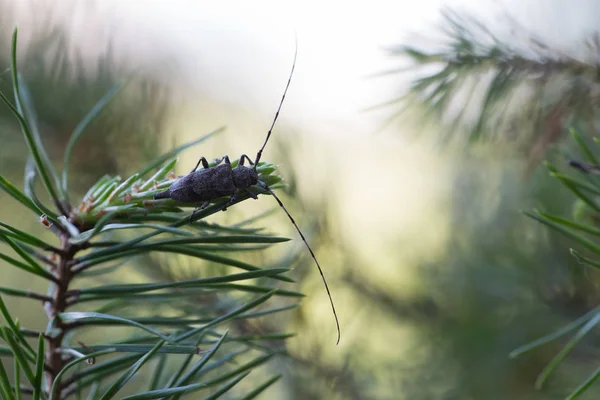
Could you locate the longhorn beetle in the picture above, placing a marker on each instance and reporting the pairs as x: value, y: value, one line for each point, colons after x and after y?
x: 210, y: 183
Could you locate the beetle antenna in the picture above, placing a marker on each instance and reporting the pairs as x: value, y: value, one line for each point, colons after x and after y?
x: 337, y: 323
x: 259, y: 154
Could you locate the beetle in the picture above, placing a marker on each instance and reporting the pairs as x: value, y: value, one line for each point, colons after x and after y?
x: 210, y: 183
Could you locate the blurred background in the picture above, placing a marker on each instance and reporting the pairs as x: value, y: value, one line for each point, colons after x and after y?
x: 407, y: 167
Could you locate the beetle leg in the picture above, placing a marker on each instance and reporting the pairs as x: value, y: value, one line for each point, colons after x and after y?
x: 202, y: 207
x: 218, y: 161
x: 204, y: 164
x: 243, y: 156
x: 253, y: 195
x: 232, y: 200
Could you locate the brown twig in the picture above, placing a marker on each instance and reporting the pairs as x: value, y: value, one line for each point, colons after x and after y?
x: 58, y: 304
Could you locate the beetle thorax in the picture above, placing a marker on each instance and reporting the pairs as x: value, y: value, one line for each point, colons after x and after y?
x: 244, y: 177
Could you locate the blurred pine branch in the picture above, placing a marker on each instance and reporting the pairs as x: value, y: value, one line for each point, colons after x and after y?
x: 582, y: 227
x: 66, y: 87
x: 510, y: 88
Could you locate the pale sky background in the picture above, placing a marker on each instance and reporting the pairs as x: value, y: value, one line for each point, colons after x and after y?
x: 241, y: 51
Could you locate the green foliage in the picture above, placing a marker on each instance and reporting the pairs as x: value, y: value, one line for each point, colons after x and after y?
x: 583, y: 229
x: 189, y: 318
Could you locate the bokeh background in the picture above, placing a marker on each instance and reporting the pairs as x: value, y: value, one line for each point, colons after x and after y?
x: 436, y: 273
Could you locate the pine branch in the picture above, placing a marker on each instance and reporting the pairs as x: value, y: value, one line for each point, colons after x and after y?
x: 116, y: 221
x: 516, y: 88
